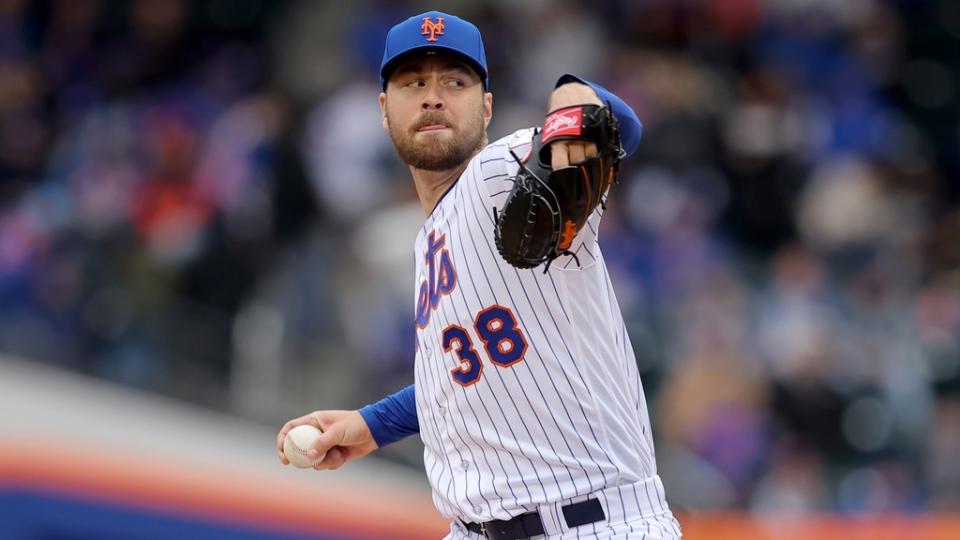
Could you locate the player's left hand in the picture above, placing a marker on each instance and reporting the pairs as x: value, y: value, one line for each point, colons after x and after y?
x: 565, y: 153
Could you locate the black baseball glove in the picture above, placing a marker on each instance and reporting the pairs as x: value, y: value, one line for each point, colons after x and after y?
x: 546, y: 209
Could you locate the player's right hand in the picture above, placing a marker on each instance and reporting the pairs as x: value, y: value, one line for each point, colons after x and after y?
x: 345, y: 437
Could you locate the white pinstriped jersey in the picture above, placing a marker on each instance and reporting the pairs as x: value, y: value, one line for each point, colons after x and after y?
x: 527, y: 388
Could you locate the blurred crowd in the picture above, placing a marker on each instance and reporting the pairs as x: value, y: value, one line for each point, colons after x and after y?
x: 197, y: 198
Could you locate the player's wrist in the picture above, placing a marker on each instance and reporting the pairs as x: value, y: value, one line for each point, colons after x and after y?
x: 363, y: 433
x: 372, y: 423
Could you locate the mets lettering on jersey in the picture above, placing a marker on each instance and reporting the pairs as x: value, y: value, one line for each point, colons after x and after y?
x: 437, y: 282
x: 527, y: 387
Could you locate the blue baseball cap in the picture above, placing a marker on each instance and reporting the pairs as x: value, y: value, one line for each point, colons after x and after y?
x: 434, y: 31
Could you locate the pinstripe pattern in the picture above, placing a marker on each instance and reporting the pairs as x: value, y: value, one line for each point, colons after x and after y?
x: 567, y: 421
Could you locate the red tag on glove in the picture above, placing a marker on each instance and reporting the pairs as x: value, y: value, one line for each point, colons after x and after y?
x: 567, y: 121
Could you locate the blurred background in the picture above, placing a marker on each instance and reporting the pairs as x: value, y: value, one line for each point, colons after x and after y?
x: 198, y: 204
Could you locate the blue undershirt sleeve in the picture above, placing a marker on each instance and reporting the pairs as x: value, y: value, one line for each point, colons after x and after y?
x: 393, y: 417
x: 630, y: 126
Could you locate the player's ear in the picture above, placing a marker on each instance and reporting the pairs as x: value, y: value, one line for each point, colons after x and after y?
x: 487, y: 108
x: 383, y: 111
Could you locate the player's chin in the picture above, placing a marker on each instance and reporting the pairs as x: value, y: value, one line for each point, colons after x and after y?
x: 434, y: 146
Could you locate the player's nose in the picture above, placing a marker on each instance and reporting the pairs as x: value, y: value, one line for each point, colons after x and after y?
x: 434, y: 104
x: 432, y: 98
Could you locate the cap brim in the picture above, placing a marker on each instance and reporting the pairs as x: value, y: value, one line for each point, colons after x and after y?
x: 426, y: 49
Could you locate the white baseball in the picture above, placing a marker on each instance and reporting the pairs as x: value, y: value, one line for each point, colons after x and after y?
x: 298, y: 442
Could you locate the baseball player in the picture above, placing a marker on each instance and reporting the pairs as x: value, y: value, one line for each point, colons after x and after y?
x: 526, y: 394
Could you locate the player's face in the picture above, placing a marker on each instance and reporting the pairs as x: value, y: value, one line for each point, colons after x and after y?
x: 436, y: 112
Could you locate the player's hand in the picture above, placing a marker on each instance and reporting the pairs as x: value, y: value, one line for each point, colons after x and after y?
x: 565, y: 153
x: 345, y: 437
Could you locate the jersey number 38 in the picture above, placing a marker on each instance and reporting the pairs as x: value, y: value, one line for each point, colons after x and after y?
x: 502, y: 340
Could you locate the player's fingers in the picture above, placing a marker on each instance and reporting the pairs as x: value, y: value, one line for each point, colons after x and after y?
x: 559, y: 157
x: 334, y: 459
x: 282, y: 434
x: 283, y: 458
x: 286, y: 429
x: 315, y: 419
x: 590, y: 150
x: 576, y: 151
x: 326, y: 442
x: 338, y: 463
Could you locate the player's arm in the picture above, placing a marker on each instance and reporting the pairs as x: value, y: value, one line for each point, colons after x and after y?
x: 393, y: 417
x: 349, y: 435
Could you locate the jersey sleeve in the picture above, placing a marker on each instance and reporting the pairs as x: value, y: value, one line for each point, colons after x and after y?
x: 498, y: 165
x: 393, y: 417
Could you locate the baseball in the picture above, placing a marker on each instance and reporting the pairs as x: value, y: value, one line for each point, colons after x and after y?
x: 298, y: 442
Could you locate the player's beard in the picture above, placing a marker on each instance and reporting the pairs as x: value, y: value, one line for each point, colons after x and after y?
x: 438, y: 154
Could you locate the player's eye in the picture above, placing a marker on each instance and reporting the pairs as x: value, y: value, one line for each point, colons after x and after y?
x: 456, y: 83
x: 415, y: 83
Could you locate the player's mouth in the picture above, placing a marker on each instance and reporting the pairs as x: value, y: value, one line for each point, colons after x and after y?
x: 432, y: 127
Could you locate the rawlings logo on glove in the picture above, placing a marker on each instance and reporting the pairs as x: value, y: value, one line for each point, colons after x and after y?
x: 562, y: 122
x: 546, y: 209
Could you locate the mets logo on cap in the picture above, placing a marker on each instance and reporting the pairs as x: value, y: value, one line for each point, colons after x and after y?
x: 431, y: 29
